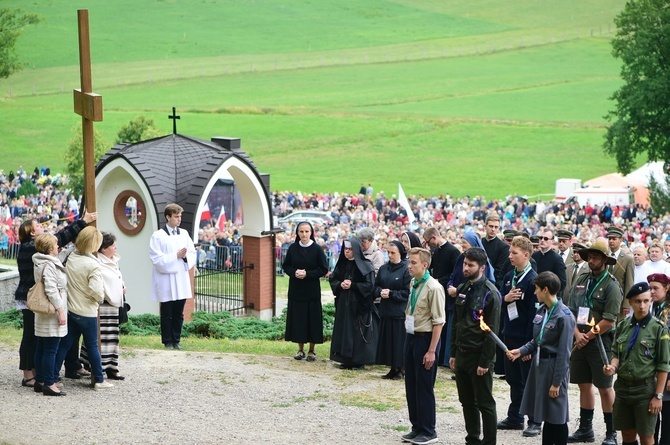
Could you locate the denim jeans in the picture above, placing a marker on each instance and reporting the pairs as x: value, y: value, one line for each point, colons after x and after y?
x: 88, y: 327
x: 45, y: 360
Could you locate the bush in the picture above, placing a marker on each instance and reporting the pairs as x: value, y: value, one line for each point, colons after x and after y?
x: 27, y: 189
x: 11, y: 318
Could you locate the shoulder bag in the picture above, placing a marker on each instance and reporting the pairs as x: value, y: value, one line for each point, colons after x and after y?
x: 38, y: 301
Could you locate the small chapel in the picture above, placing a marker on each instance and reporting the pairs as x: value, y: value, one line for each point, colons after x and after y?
x: 135, y: 181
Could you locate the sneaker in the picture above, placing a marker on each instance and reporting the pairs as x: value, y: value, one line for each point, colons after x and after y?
x: 169, y: 346
x: 102, y: 385
x: 409, y: 436
x: 422, y: 439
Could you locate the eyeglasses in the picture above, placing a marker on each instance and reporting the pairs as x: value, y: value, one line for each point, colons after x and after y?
x: 546, y: 238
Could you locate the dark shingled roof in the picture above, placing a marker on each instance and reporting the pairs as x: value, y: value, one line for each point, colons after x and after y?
x: 177, y: 168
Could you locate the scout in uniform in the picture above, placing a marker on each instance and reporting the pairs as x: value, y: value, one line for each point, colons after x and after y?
x: 640, y: 361
x: 473, y: 350
x: 596, y: 297
x: 545, y: 397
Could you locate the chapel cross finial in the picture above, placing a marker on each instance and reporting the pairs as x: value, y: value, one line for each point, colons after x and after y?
x: 174, y: 118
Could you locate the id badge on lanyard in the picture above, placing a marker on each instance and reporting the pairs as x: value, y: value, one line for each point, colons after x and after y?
x: 409, y: 323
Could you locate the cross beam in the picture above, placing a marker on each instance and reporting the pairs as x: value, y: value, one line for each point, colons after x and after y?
x: 89, y: 106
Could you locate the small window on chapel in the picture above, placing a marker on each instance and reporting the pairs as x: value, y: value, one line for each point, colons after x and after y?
x: 129, y: 212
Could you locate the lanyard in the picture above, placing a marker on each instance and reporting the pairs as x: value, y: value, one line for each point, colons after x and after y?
x: 414, y: 296
x: 544, y: 323
x: 587, y: 300
x: 520, y: 278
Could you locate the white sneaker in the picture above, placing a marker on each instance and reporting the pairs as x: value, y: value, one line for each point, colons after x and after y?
x: 103, y: 385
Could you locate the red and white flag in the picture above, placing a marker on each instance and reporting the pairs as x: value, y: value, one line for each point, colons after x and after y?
x: 221, y: 223
x: 205, y: 214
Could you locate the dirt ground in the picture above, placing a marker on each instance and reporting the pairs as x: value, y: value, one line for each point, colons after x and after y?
x: 177, y: 397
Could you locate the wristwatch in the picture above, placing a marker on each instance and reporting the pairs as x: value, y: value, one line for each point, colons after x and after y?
x: 659, y: 396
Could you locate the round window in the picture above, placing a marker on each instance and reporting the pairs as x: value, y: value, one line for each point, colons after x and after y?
x: 129, y: 212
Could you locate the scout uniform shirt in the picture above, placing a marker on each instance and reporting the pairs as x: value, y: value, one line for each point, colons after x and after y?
x: 425, y: 305
x: 474, y: 300
x: 642, y: 348
x: 595, y: 296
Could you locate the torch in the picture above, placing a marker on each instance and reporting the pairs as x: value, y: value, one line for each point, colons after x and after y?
x: 493, y: 335
x: 599, y: 340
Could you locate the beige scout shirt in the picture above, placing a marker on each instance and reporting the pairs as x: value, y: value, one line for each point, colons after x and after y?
x: 429, y: 310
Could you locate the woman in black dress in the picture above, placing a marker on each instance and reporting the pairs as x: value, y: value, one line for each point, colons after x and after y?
x: 305, y: 263
x: 392, y: 286
x: 355, y: 331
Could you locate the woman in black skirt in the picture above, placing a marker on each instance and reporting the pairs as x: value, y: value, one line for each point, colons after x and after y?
x: 392, y: 286
x: 305, y: 263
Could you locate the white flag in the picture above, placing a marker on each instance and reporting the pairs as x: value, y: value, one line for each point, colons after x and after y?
x: 402, y: 200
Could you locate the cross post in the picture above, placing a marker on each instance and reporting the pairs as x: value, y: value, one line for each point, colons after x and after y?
x: 89, y: 106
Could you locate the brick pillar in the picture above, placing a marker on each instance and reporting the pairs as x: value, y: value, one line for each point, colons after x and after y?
x: 189, y: 307
x: 259, y: 281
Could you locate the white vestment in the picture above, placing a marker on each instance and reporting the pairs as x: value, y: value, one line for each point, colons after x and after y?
x: 170, y: 280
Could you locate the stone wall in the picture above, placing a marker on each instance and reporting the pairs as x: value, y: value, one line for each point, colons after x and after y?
x: 9, y: 279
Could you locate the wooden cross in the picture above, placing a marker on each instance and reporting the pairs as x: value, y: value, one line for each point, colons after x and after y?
x: 174, y: 118
x: 89, y: 106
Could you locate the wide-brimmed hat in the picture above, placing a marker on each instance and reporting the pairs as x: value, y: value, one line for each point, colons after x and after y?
x: 597, y: 247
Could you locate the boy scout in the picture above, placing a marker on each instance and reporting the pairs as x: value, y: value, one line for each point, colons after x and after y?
x: 640, y: 360
x: 595, y: 296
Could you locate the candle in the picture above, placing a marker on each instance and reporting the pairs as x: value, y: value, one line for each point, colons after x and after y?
x: 601, y: 347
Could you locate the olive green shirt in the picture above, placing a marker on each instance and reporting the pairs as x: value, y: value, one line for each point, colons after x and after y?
x: 649, y: 353
x: 605, y: 299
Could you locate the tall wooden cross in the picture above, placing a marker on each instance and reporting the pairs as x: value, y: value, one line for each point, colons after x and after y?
x: 89, y: 106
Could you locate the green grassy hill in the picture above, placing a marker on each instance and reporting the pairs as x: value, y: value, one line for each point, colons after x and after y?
x: 461, y: 97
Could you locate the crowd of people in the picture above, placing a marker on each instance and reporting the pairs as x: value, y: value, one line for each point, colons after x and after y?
x: 433, y: 282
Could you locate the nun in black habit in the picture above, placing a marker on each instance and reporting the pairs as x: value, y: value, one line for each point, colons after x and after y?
x: 356, y: 326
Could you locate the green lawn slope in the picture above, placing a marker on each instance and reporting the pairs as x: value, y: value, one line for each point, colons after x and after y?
x: 462, y: 97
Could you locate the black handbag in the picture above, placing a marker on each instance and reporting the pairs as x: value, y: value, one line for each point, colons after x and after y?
x: 123, y: 313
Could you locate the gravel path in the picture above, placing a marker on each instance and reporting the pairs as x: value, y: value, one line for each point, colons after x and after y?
x: 179, y: 397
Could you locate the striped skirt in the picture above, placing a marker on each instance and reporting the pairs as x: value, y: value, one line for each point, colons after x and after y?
x: 109, y: 339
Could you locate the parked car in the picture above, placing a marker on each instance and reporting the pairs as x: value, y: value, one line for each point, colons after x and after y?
x: 311, y: 216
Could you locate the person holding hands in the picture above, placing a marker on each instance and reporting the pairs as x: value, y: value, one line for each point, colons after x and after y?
x: 553, y: 327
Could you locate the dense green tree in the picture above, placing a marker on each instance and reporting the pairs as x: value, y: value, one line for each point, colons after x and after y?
x: 659, y: 192
x: 12, y: 22
x: 641, y: 118
x: 74, y: 158
x: 27, y: 189
x: 139, y: 129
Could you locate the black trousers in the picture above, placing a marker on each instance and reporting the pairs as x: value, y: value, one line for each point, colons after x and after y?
x: 172, y: 319
x: 516, y: 374
x: 28, y: 342
x: 476, y: 396
x: 419, y: 383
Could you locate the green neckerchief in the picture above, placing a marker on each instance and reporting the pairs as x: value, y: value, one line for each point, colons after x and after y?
x: 546, y: 320
x: 521, y: 275
x: 415, y: 294
x: 588, y: 299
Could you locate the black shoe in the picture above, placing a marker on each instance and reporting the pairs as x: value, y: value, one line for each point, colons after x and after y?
x: 169, y: 346
x: 610, y: 438
x: 391, y: 374
x: 400, y: 375
x: 72, y: 375
x: 507, y: 424
x: 409, y: 436
x: 583, y: 434
x: 38, y: 386
x: 114, y: 375
x: 533, y: 430
x: 26, y: 382
x: 176, y: 346
x: 422, y: 439
x: 50, y: 392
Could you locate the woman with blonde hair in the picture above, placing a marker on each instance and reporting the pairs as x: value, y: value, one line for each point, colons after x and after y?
x: 115, y: 291
x: 85, y: 292
x: 49, y: 329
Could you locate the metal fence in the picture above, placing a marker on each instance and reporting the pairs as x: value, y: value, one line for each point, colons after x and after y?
x: 219, y: 285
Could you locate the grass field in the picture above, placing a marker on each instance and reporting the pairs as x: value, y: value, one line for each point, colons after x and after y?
x: 461, y: 97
